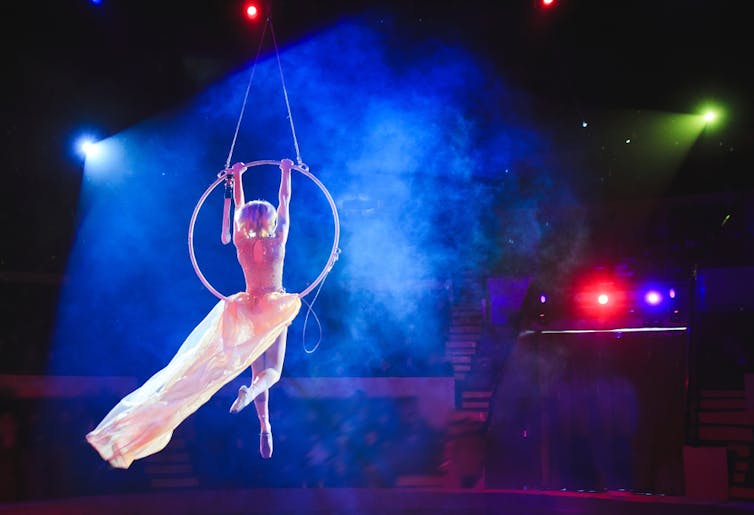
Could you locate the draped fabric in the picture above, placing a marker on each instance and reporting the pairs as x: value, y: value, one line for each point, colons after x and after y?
x: 224, y: 344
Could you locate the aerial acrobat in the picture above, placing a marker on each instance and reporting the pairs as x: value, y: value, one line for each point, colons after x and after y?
x: 247, y: 329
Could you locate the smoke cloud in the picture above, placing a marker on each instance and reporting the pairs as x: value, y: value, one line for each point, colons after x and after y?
x: 428, y: 153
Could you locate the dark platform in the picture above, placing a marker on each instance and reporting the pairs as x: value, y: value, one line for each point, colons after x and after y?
x: 367, y: 501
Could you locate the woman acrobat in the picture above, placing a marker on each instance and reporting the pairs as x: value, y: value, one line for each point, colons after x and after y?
x: 260, y: 233
x: 247, y: 329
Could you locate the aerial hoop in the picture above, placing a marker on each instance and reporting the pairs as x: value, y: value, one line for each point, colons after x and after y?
x: 302, y: 168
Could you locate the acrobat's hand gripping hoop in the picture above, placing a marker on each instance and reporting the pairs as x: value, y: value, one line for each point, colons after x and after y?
x: 302, y: 168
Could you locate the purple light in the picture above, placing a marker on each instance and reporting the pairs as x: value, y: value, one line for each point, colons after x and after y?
x: 653, y: 298
x: 542, y: 299
x: 671, y: 293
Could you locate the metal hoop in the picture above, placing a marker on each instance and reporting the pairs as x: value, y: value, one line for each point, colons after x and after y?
x: 302, y: 168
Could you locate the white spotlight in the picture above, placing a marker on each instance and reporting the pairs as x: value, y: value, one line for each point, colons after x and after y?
x: 87, y: 147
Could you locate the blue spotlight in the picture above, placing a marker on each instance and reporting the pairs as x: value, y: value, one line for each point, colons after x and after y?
x: 87, y: 147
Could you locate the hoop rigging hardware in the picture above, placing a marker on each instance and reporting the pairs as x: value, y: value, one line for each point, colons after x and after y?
x: 222, y: 176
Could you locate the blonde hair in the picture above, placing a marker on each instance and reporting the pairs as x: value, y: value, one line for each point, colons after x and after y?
x: 256, y: 218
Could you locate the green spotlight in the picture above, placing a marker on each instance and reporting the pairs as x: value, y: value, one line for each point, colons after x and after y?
x: 710, y: 114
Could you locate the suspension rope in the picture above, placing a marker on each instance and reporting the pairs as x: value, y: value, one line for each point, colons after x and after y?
x: 285, y: 94
x: 246, y: 95
x: 302, y: 167
x: 310, y: 308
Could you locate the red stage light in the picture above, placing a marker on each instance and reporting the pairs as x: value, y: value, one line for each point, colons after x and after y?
x: 600, y: 296
x: 251, y: 11
x: 548, y: 3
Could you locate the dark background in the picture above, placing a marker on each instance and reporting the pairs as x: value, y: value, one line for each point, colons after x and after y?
x: 73, y: 65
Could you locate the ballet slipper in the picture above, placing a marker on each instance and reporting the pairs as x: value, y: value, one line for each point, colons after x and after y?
x: 241, y: 401
x: 265, y: 444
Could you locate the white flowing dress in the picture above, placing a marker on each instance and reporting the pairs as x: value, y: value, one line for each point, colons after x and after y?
x: 234, y: 334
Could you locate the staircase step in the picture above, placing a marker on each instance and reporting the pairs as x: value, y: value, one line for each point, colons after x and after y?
x: 459, y: 359
x: 460, y: 351
x: 484, y: 405
x: 477, y: 394
x: 474, y: 315
x: 466, y: 329
x: 462, y: 416
x: 723, y: 417
x: 168, y: 456
x: 468, y: 318
x: 741, y: 451
x: 727, y: 394
x: 741, y: 492
x: 459, y: 376
x: 721, y: 404
x: 464, y: 304
x: 169, y: 469
x: 451, y: 335
x: 726, y: 434
x: 732, y: 418
x: 470, y: 314
x: 464, y: 342
x: 461, y: 368
x: 465, y: 428
x: 183, y: 482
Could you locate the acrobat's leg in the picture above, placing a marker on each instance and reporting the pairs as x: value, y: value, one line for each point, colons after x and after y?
x: 261, y: 401
x: 266, y: 371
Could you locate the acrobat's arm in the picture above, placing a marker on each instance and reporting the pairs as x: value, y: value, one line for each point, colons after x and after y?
x: 237, y: 170
x: 284, y: 198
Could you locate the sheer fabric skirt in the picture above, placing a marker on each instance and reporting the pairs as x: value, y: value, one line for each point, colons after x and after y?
x: 224, y: 344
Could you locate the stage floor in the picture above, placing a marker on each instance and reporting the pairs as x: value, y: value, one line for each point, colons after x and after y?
x: 380, y: 501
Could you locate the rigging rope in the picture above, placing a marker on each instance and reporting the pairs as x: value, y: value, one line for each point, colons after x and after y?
x: 285, y: 94
x: 246, y: 95
x: 302, y: 167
